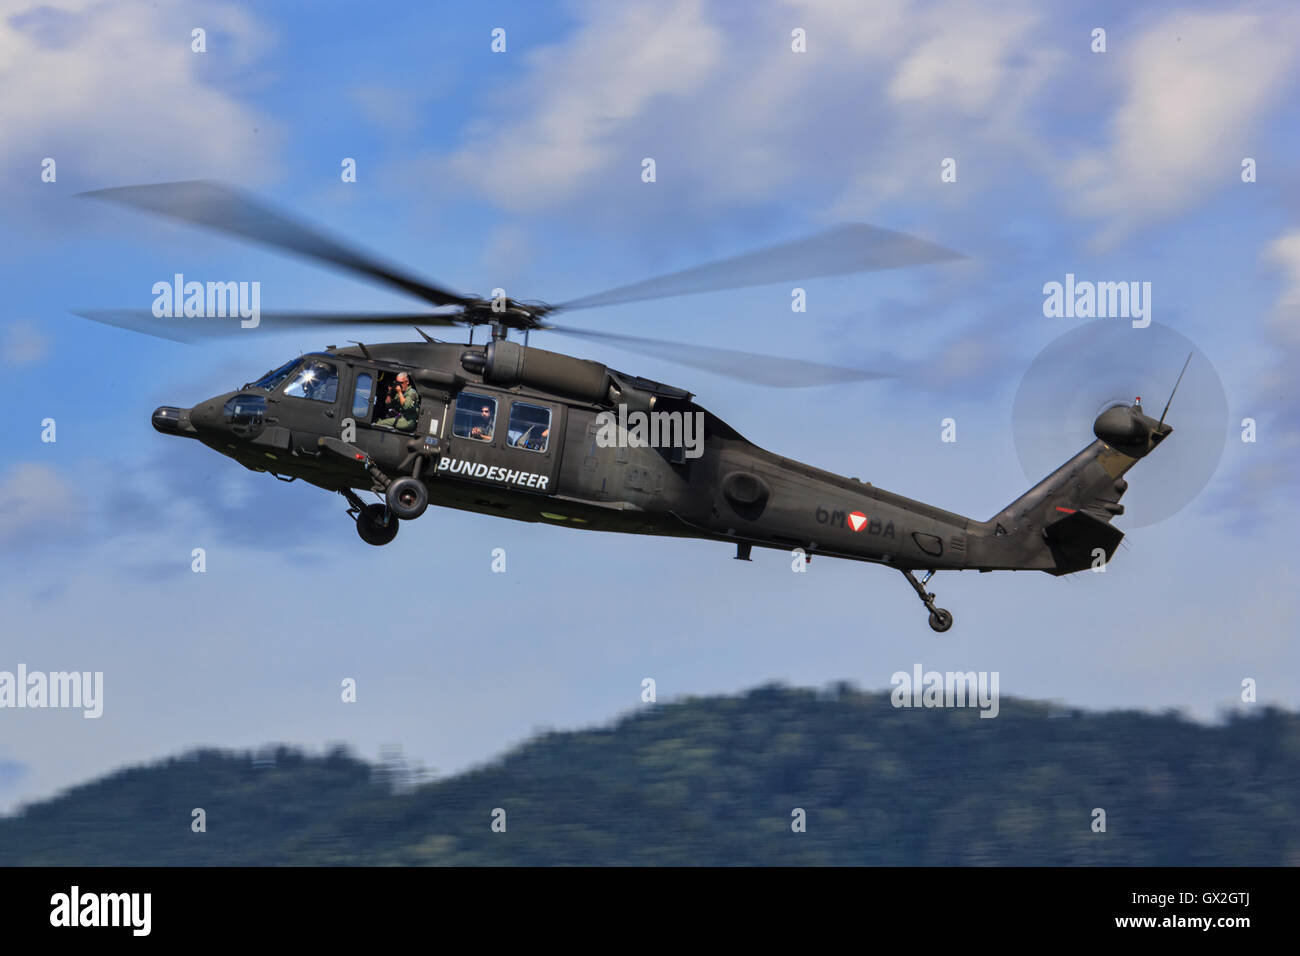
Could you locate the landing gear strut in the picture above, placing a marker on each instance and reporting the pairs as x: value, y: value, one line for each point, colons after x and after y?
x: 405, y: 498
x: 376, y: 523
x: 940, y: 618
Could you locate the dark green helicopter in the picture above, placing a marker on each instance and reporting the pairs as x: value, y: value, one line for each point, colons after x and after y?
x: 505, y: 429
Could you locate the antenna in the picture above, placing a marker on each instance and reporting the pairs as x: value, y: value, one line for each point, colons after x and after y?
x: 364, y: 351
x: 424, y: 335
x: 1176, y: 384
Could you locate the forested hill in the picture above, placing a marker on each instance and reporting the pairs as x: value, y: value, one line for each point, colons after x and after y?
x: 716, y: 781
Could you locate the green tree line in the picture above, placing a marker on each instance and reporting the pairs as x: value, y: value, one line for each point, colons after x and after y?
x: 720, y: 781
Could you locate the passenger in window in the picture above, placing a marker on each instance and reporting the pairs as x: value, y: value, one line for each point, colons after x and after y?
x: 407, y: 399
x: 530, y: 427
x: 483, y: 430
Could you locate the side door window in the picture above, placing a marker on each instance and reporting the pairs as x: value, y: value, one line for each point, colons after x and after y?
x: 529, y: 427
x: 362, y: 392
x: 476, y: 417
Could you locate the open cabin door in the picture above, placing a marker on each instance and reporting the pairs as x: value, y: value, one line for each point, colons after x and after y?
x: 371, y: 401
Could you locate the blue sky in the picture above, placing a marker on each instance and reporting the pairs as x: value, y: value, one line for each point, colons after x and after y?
x: 522, y: 170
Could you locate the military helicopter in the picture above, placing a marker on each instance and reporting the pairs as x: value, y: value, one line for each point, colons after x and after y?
x: 509, y: 430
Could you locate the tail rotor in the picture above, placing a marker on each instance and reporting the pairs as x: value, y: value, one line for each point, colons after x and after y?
x: 1100, y: 366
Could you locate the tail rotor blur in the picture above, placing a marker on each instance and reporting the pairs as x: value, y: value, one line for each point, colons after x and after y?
x: 1086, y: 380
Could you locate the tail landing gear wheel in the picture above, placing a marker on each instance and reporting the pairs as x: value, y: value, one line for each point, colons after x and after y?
x: 940, y: 619
x: 408, y: 498
x: 377, y: 525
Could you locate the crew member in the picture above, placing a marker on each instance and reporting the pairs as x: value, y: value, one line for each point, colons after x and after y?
x: 483, y: 430
x: 408, y: 401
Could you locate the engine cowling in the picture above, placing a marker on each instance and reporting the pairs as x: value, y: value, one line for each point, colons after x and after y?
x: 507, y: 363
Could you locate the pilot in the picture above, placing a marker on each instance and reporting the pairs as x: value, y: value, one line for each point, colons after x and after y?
x: 483, y: 430
x: 408, y: 400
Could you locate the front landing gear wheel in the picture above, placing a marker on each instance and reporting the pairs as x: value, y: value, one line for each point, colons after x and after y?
x: 940, y: 620
x: 408, y: 498
x: 377, y: 525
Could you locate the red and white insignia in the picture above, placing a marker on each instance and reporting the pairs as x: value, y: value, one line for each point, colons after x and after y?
x: 857, y: 520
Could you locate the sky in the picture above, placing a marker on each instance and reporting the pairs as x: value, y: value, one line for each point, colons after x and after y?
x: 522, y: 169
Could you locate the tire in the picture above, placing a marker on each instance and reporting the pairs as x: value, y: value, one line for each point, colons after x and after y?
x: 376, y: 525
x: 408, y: 498
x: 940, y: 619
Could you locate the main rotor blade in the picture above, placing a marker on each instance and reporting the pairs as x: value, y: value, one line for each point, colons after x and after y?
x: 194, y: 329
x: 844, y: 249
x: 225, y: 209
x: 749, y: 367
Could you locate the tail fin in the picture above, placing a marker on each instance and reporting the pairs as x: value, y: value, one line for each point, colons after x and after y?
x: 1063, y: 524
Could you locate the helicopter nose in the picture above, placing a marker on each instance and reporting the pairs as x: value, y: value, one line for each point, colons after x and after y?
x: 171, y: 420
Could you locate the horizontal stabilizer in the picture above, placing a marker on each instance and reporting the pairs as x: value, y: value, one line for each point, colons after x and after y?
x: 1075, y: 539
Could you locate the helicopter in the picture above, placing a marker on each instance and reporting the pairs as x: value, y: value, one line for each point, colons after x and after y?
x: 506, y: 429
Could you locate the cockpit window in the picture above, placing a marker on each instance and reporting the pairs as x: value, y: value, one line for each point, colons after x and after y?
x: 317, y: 380
x: 271, y: 379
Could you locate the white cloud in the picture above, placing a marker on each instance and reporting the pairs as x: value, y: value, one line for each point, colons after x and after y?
x: 390, y: 109
x: 112, y: 91
x: 1195, y: 86
x: 35, y: 499
x: 732, y: 114
x: 965, y: 61
x: 1284, y: 254
x: 509, y: 249
x: 1271, y: 467
x: 24, y: 344
x: 580, y: 95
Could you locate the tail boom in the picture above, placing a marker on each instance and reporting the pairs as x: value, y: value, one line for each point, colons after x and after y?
x: 1063, y: 524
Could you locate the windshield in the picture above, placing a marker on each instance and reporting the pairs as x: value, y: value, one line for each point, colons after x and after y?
x: 317, y: 380
x: 271, y: 379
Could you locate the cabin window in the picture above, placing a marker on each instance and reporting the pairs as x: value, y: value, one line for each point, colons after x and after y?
x: 316, y: 380
x: 529, y: 428
x: 476, y: 416
x: 361, y: 396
